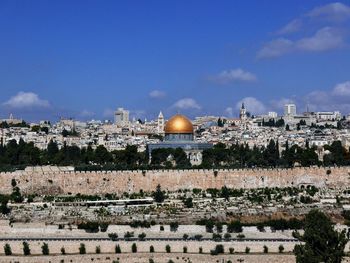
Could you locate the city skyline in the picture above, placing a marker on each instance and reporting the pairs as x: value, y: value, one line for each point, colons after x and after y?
x: 84, y: 60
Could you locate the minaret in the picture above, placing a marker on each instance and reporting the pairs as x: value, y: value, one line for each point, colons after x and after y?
x: 160, y: 123
x: 243, y: 112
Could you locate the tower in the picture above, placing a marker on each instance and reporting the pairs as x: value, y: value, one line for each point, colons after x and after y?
x: 243, y: 112
x: 160, y: 127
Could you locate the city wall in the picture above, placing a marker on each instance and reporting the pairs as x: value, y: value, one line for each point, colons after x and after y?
x: 64, y: 182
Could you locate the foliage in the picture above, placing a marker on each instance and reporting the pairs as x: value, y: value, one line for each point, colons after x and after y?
x: 159, y: 195
x: 322, y: 242
x: 45, y: 249
x: 82, y: 249
x: 134, y: 248
x: 167, y: 249
x: 118, y: 249
x: 26, y: 249
x: 7, y: 250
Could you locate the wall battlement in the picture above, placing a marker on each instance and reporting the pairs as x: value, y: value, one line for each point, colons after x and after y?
x: 102, y: 182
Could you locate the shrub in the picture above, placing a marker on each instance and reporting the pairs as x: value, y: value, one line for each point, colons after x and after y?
x: 280, y: 248
x: 63, y: 251
x: 128, y: 235
x: 161, y: 228
x: 219, y: 249
x: 167, y: 249
x: 98, y: 250
x: 247, y: 250
x: 7, y: 250
x: 151, y: 260
x: 45, y: 249
x: 200, y: 250
x: 234, y: 226
x: 266, y: 249
x: 103, y: 227
x: 134, y: 248
x: 241, y: 236
x: 118, y: 249
x: 142, y: 236
x: 185, y: 249
x: 218, y: 226
x: 227, y: 236
x: 185, y: 237
x: 217, y: 237
x: 26, y: 249
x: 232, y: 250
x: 90, y: 227
x: 151, y: 249
x: 82, y: 249
x: 198, y: 237
x: 113, y: 236
x: 174, y: 226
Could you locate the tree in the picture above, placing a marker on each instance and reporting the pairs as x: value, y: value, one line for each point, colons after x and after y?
x: 45, y: 249
x: 266, y: 249
x: 159, y: 195
x: 98, y: 250
x: 280, y: 248
x: 167, y: 249
x: 63, y: 251
x: 134, y: 248
x: 287, y: 127
x: 118, y: 249
x: 322, y: 242
x: 26, y: 249
x: 7, y: 250
x: 188, y: 202
x: 82, y: 249
x: 234, y: 226
x: 151, y: 249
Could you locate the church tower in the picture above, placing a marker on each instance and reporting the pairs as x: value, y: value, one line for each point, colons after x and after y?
x: 243, y: 112
x: 160, y: 127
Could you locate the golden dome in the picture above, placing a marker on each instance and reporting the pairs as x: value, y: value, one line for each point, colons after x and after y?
x: 178, y: 124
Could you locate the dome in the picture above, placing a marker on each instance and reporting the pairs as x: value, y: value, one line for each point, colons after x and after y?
x: 178, y: 124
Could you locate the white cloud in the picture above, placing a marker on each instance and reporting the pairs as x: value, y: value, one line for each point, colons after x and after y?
x: 333, y: 12
x: 157, y: 94
x: 232, y: 75
x: 107, y: 113
x: 291, y: 27
x: 275, y: 48
x: 229, y: 111
x: 186, y: 103
x: 324, y: 39
x: 86, y: 114
x: 26, y: 100
x: 279, y: 104
x: 342, y: 89
x: 252, y: 105
x: 335, y: 99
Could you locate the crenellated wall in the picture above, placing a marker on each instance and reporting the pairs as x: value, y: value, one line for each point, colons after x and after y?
x: 63, y: 182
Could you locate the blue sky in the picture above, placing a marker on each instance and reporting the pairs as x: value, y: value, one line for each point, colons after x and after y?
x: 83, y: 59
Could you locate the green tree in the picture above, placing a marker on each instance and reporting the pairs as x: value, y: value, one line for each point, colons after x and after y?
x: 98, y: 250
x: 167, y: 249
x: 322, y: 242
x: 159, y: 195
x: 7, y: 250
x: 82, y: 249
x: 134, y: 248
x: 118, y: 249
x: 45, y: 249
x: 26, y: 249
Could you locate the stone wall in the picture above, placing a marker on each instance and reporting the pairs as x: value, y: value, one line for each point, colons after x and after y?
x: 63, y: 182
